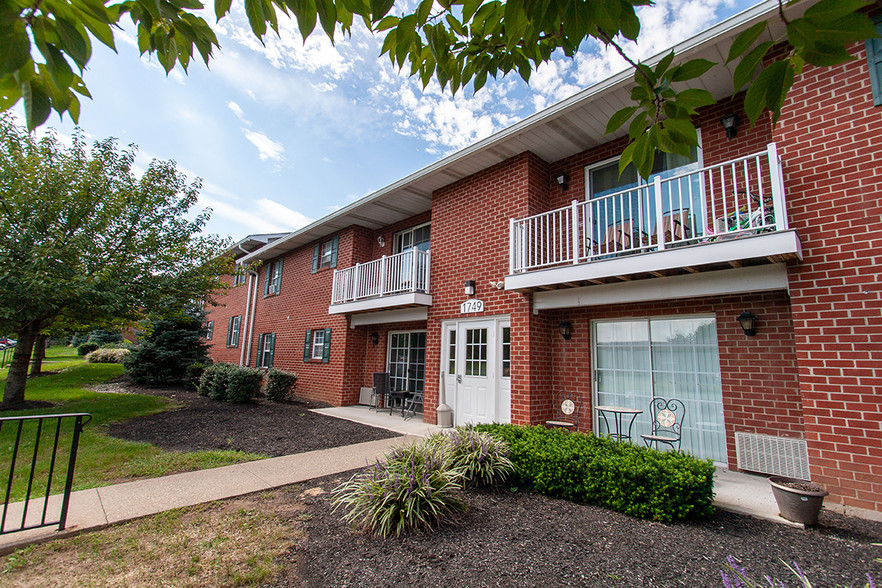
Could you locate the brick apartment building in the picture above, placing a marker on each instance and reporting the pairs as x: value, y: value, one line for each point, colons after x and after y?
x: 781, y: 222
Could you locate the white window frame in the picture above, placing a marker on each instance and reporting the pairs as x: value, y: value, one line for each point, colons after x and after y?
x: 318, y: 344
x: 326, y: 254
x: 398, y: 234
x: 209, y: 330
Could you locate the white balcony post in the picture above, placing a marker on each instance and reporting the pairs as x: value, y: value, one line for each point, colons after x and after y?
x: 511, y: 246
x: 356, y: 283
x: 575, y: 215
x: 383, y: 275
x: 659, y: 215
x: 428, y: 270
x: 413, y: 269
x: 777, y: 181
x: 335, y: 294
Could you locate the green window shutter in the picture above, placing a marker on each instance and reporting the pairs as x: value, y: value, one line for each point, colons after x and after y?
x: 307, y: 345
x: 230, y: 331
x: 266, y: 280
x: 315, y: 258
x: 272, y: 349
x: 874, y: 61
x: 259, y: 362
x: 326, y: 352
x: 278, y: 283
x: 334, y: 244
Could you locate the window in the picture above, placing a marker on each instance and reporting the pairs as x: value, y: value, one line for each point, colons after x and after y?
x: 476, y: 352
x: 317, y: 346
x: 874, y: 61
x: 506, y: 352
x: 324, y: 255
x: 407, y: 361
x: 266, y: 347
x: 239, y: 276
x: 209, y: 330
x: 272, y: 283
x: 413, y: 238
x: 233, y: 331
x: 451, y: 350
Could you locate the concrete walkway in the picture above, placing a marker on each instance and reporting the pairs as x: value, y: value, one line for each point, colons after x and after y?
x: 99, y: 507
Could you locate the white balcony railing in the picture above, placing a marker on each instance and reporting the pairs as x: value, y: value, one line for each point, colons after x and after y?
x: 740, y: 197
x: 394, y: 274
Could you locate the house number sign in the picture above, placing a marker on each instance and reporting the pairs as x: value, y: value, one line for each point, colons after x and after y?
x: 471, y: 306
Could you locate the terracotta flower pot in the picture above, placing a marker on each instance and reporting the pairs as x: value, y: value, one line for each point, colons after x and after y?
x: 799, y: 501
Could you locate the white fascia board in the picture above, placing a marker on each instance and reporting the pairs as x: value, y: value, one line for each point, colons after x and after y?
x: 400, y: 315
x: 755, y: 246
x: 382, y: 302
x: 760, y: 278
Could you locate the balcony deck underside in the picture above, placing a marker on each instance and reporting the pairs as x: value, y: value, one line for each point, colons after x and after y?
x: 405, y: 300
x: 778, y: 247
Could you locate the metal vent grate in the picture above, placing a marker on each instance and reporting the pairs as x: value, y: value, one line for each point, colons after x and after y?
x: 783, y: 456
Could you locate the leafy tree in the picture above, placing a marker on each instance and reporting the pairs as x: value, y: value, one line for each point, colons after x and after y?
x: 83, y: 240
x: 172, y: 346
x: 456, y: 42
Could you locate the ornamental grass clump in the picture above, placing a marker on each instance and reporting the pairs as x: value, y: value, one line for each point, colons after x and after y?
x: 737, y: 576
x: 107, y: 355
x: 482, y: 457
x: 414, y: 488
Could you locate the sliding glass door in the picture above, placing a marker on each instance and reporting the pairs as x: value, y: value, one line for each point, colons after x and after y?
x: 641, y: 359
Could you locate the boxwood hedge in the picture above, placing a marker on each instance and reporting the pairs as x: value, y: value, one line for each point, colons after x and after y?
x: 645, y: 483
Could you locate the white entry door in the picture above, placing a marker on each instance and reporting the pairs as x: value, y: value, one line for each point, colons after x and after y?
x: 473, y: 372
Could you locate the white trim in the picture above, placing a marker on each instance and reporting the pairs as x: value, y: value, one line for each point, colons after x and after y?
x: 382, y: 302
x: 410, y: 230
x: 723, y: 251
x: 389, y: 316
x: 759, y: 278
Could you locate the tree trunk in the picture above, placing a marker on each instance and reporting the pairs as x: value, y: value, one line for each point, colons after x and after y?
x: 16, y: 379
x: 39, y: 354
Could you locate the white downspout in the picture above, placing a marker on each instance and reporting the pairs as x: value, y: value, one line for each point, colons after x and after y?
x: 252, y: 297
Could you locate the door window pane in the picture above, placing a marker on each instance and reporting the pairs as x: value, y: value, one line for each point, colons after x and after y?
x: 506, y: 352
x: 476, y: 352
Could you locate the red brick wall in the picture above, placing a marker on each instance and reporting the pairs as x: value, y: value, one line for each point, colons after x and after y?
x: 230, y: 303
x: 759, y: 374
x: 828, y: 139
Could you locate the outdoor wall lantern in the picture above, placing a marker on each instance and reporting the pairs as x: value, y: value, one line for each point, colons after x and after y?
x: 563, y: 180
x: 375, y: 337
x: 381, y: 241
x: 729, y: 122
x: 748, y: 323
x: 470, y: 287
x: 566, y: 330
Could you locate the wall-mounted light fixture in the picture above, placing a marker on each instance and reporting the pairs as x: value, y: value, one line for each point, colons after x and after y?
x: 748, y: 323
x: 470, y: 287
x: 381, y: 241
x: 563, y: 180
x: 566, y: 330
x: 375, y: 337
x: 730, y: 122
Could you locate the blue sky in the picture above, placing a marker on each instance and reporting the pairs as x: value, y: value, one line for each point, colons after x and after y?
x: 284, y: 133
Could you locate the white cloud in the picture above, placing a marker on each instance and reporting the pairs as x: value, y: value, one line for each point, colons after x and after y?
x: 254, y: 222
x: 266, y: 147
x: 237, y: 110
x: 291, y: 219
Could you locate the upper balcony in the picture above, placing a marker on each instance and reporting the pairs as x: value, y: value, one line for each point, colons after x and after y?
x: 392, y: 281
x: 728, y: 215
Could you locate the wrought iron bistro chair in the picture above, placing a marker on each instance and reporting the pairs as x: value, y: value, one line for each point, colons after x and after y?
x: 411, y: 404
x: 667, y: 422
x: 568, y: 406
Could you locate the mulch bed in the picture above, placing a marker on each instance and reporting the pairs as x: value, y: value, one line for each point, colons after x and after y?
x: 523, y: 539
x: 259, y: 426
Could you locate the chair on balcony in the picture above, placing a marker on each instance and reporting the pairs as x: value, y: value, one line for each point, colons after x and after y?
x: 568, y: 408
x: 667, y: 422
x: 676, y: 226
x: 623, y: 238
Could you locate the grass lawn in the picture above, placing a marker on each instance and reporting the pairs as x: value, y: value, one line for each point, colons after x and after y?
x: 101, y: 459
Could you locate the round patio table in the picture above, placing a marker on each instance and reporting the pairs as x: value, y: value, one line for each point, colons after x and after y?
x: 618, y: 413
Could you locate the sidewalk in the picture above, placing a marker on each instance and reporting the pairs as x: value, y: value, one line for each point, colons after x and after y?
x: 98, y: 507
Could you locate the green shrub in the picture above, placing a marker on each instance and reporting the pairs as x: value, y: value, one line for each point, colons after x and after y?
x: 243, y: 384
x: 194, y: 375
x: 107, y: 355
x: 641, y: 482
x: 86, y: 348
x: 217, y: 376
x: 482, y: 458
x: 103, y: 336
x: 163, y: 357
x: 279, y: 384
x: 412, y: 489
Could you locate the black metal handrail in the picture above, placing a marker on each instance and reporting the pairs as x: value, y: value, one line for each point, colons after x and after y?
x: 80, y: 419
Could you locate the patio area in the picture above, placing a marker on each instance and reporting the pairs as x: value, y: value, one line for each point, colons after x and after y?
x: 734, y: 491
